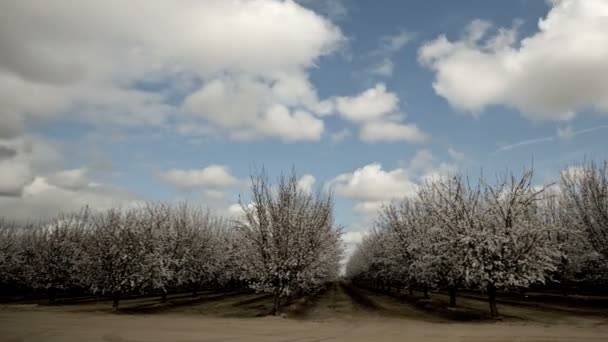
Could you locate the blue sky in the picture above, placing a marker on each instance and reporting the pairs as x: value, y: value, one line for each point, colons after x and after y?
x: 172, y: 100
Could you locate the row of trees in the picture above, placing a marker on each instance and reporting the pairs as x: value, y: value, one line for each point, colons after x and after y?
x: 506, y: 234
x: 286, y: 243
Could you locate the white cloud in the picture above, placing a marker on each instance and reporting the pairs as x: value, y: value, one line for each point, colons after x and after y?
x: 377, y: 111
x: 388, y: 131
x: 422, y: 161
x: 369, y: 208
x: 73, y: 179
x: 235, y: 210
x: 456, y: 155
x: 372, y: 183
x: 371, y: 186
x: 247, y: 107
x: 549, y: 75
x: 14, y: 176
x: 215, y: 195
x: 22, y: 158
x: 353, y: 237
x: 373, y: 103
x: 213, y: 176
x: 126, y: 64
x: 42, y: 200
x: 306, y: 183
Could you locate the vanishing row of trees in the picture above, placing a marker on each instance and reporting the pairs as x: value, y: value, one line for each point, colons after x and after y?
x: 501, y: 235
x: 285, y: 243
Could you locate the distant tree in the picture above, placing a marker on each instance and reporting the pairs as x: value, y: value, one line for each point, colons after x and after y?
x: 10, y: 254
x: 52, y: 253
x: 115, y: 254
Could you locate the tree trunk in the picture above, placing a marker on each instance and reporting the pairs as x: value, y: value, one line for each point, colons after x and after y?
x: 115, y: 300
x: 492, y: 300
x: 411, y: 288
x: 276, y: 304
x: 452, y: 290
x: 163, y: 296
x: 426, y: 292
x: 52, y: 294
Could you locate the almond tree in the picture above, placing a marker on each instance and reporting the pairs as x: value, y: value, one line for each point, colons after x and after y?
x: 115, y: 254
x: 289, y: 238
x: 406, y: 227
x: 451, y: 207
x: 511, y: 246
x: 52, y: 253
x: 161, y: 246
x: 585, y: 198
x: 10, y: 254
x: 200, y: 246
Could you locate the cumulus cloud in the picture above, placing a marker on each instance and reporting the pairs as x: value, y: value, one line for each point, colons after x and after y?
x: 20, y: 160
x: 549, y: 75
x: 33, y: 185
x: 372, y: 183
x: 306, y: 183
x: 373, y: 103
x: 126, y: 65
x: 212, y: 176
x: 73, y: 179
x: 371, y: 186
x: 42, y: 200
x: 14, y: 176
x: 390, y: 131
x: 377, y: 111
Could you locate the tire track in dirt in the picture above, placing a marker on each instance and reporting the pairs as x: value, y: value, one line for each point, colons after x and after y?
x: 345, y: 301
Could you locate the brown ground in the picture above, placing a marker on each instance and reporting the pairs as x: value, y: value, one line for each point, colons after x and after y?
x: 342, y: 313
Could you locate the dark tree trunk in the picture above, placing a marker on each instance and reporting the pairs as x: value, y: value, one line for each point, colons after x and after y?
x: 276, y: 303
x: 163, y: 296
x: 115, y: 300
x: 52, y: 294
x: 492, y: 300
x: 411, y: 288
x: 452, y: 291
x: 426, y: 292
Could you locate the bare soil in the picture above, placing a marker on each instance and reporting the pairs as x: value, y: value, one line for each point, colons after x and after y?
x: 341, y: 313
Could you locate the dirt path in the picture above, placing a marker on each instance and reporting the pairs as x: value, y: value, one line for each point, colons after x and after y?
x: 342, y: 313
x: 344, y: 302
x: 41, y: 325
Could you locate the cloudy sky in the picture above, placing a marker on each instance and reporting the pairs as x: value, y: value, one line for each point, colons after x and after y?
x: 109, y: 103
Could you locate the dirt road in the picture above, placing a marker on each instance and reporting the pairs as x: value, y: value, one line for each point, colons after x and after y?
x: 342, y: 313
